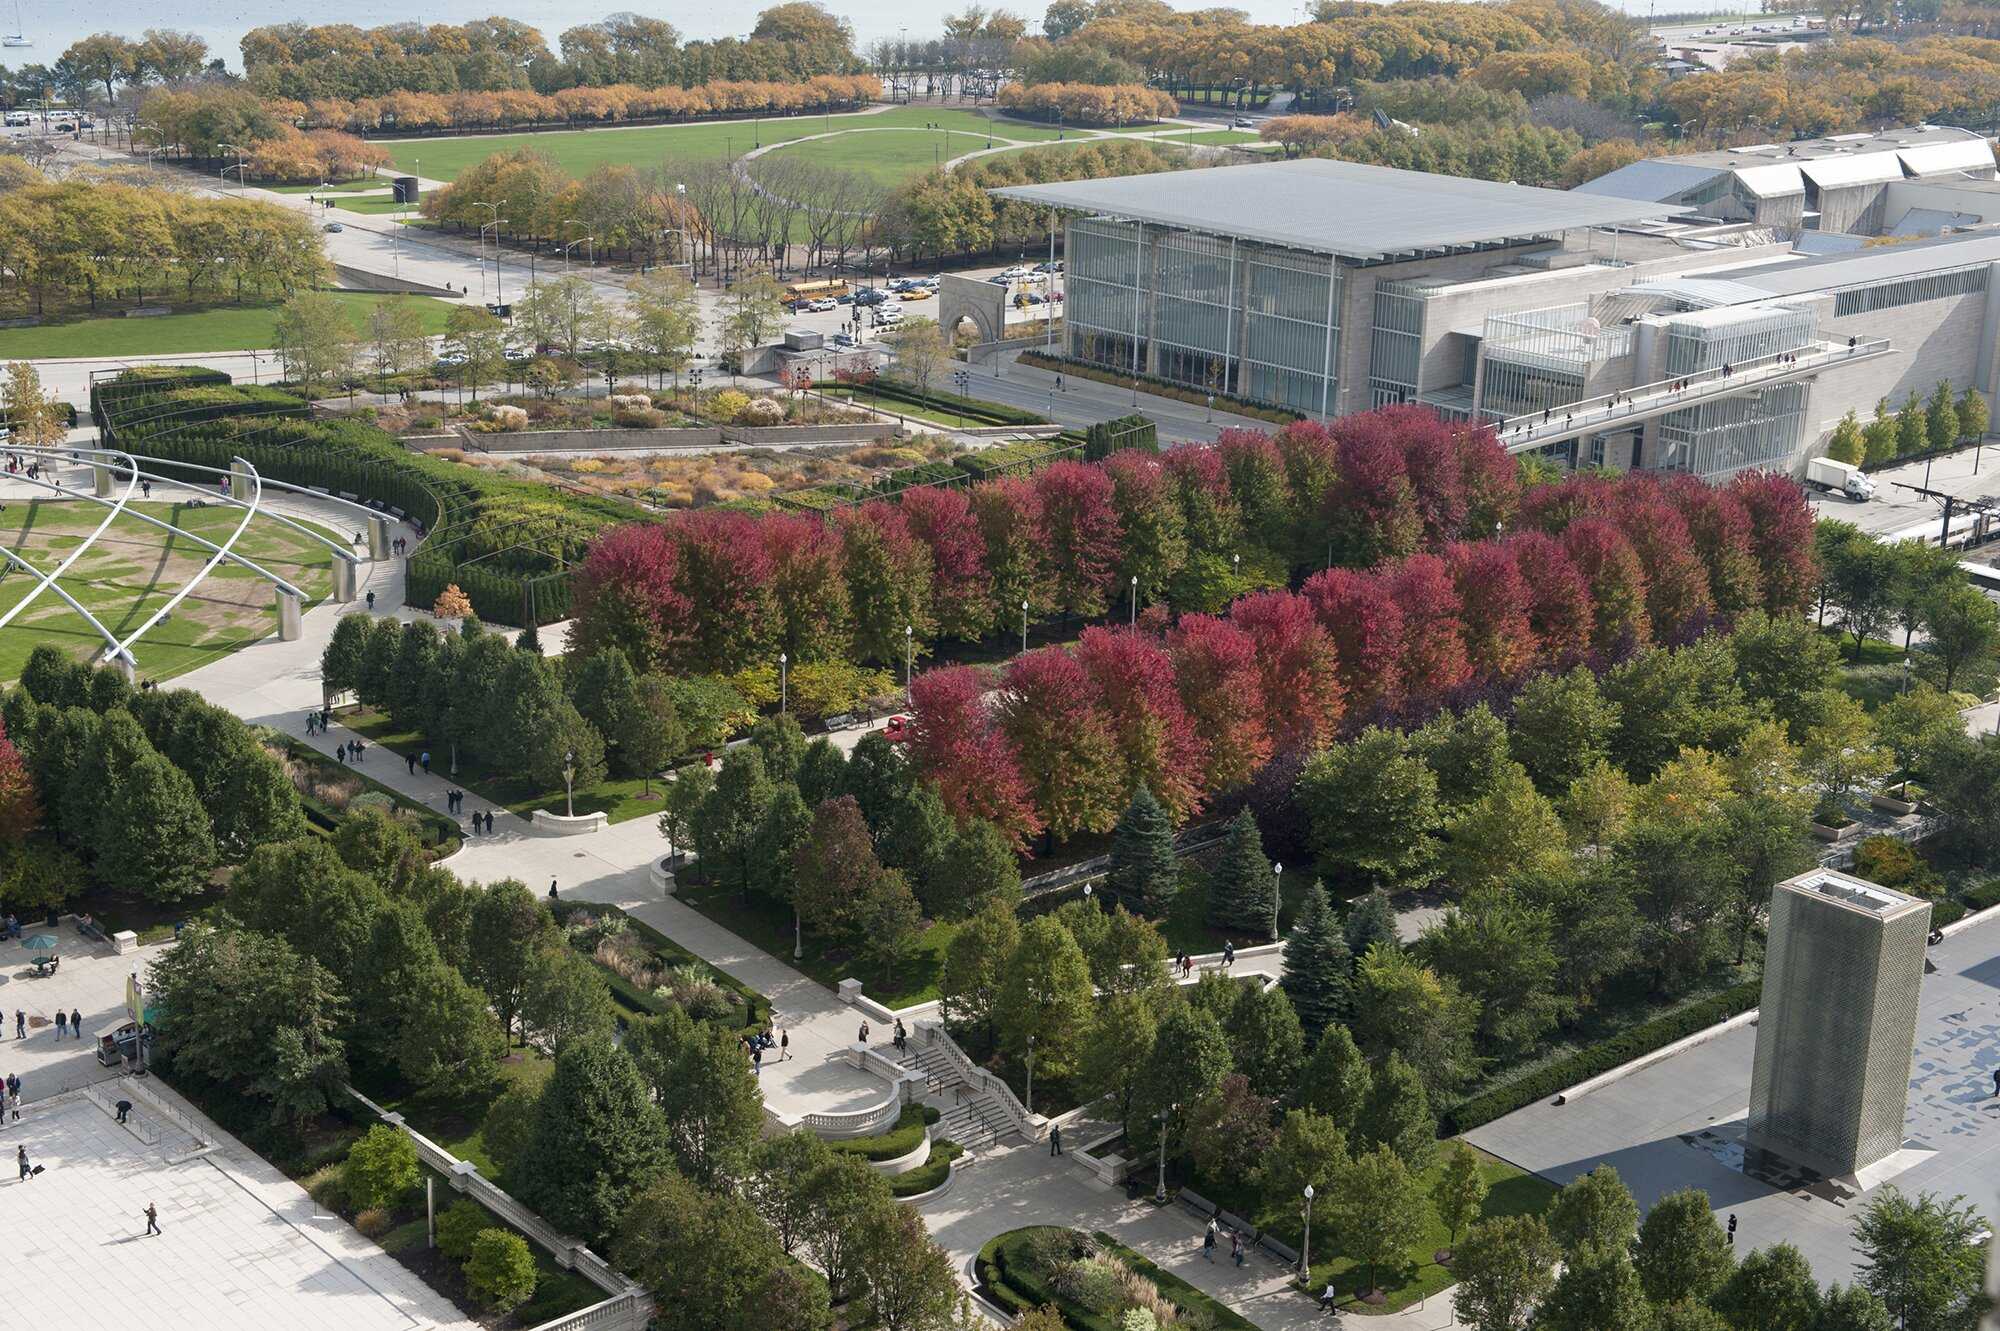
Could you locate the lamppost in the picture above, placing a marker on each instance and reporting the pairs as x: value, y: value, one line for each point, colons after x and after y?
x: 1029, y: 1102
x: 1277, y: 896
x: 569, y: 782
x: 909, y: 655
x: 1024, y: 626
x: 782, y: 680
x: 1135, y: 600
x: 1906, y: 674
x: 1160, y: 1189
x: 1305, y: 1253
x: 493, y: 226
x: 236, y: 166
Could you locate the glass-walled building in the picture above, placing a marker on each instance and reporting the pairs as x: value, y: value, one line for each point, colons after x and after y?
x: 1752, y: 429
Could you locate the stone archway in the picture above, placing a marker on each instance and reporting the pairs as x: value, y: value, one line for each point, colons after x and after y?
x: 963, y: 300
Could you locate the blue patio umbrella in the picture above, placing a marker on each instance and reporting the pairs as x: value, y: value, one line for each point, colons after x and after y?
x: 42, y: 943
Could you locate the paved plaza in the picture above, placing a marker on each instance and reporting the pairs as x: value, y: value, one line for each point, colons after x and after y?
x: 241, y: 1247
x: 1680, y: 1122
x: 90, y: 981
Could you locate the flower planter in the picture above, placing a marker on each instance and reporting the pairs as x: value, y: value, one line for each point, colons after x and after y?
x: 1832, y: 834
x: 1890, y: 804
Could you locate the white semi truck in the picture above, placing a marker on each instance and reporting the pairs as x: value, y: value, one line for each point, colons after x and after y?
x: 1840, y: 478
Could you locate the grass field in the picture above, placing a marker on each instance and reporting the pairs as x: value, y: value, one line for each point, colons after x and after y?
x: 888, y: 157
x: 341, y: 187
x: 375, y: 203
x: 578, y: 151
x: 221, y: 328
x: 134, y: 568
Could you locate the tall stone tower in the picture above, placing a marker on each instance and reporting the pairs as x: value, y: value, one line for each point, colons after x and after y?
x: 1838, y: 1020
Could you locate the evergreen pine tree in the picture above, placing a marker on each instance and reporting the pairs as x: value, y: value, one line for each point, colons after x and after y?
x: 1941, y: 417
x: 1240, y: 890
x: 1972, y: 415
x: 598, y: 1141
x: 1317, y: 965
x: 1145, y: 875
x: 1336, y: 1081
x: 1398, y: 1115
x: 1847, y: 445
x: 1371, y: 920
x: 530, y: 640
x: 1912, y: 427
x: 1879, y: 435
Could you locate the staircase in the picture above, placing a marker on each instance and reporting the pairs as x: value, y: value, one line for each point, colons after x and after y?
x: 974, y: 1119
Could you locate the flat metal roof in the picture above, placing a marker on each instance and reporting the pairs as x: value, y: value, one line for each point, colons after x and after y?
x: 1341, y: 208
x: 1877, y: 263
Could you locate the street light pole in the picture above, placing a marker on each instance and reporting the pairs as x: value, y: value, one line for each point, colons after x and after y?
x: 782, y: 681
x: 1135, y: 600
x: 1305, y: 1254
x: 1160, y: 1189
x: 569, y: 782
x: 1277, y: 896
x: 1024, y: 626
x: 1029, y: 1103
x: 909, y: 656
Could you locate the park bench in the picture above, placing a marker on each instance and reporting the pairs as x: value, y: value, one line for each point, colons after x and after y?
x: 1230, y: 1220
x: 90, y: 930
x: 1202, y: 1207
x: 1278, y: 1250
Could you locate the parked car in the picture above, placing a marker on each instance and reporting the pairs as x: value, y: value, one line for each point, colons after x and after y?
x: 844, y: 298
x: 1001, y: 280
x: 897, y: 731
x: 822, y: 305
x: 1019, y: 270
x: 519, y: 353
x: 889, y: 314
x: 870, y: 296
x: 916, y: 293
x: 333, y: 227
x: 1054, y: 267
x: 1243, y: 122
x: 843, y: 339
x: 450, y: 360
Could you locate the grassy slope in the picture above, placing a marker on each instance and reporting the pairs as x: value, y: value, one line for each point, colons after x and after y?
x: 577, y: 151
x: 123, y: 584
x: 222, y: 328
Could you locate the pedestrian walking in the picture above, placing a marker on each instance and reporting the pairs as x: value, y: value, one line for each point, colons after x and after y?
x: 784, y: 1045
x: 152, y: 1218
x: 371, y: 603
x: 425, y: 759
x: 62, y: 1023
x: 757, y: 1060
x: 1208, y: 1241
x: 864, y: 1032
x: 489, y: 822
x: 76, y: 1023
x: 1732, y: 1229
x: 124, y: 1110
x: 1055, y: 1139
x: 1236, y: 1246
x: 1996, y: 1084
x: 411, y: 759
x: 902, y: 1036
x: 1228, y: 954
x: 552, y: 891
x: 146, y: 489
x: 21, y: 1155
x: 340, y: 752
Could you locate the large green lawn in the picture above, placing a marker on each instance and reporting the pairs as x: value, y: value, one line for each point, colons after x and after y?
x: 134, y: 568
x: 888, y: 156
x: 220, y: 328
x: 375, y: 203
x: 578, y: 151
x: 341, y: 187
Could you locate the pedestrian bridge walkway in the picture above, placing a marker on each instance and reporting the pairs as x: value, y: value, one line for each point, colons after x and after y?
x: 1611, y: 412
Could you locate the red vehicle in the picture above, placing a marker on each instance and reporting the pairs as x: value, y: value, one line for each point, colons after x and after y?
x: 897, y: 731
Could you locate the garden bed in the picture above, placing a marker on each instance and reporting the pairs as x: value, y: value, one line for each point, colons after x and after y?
x: 638, y: 960
x: 897, y: 1142
x: 331, y: 792
x: 1013, y: 1272
x: 930, y: 1175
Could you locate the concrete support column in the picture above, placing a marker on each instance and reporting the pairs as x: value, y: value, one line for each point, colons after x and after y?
x: 101, y: 473
x: 344, y: 576
x: 378, y: 538
x: 289, y: 625
x: 240, y: 486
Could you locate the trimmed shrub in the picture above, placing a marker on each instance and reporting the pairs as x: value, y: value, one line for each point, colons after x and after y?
x: 381, y: 1168
x: 501, y: 1271
x: 896, y: 1142
x: 374, y: 1222
x: 1627, y: 1045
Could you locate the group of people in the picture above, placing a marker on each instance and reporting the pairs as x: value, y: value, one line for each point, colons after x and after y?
x: 900, y: 1039
x: 11, y: 926
x: 413, y: 759
x: 317, y: 721
x: 755, y: 1044
x: 399, y: 545
x: 481, y: 822
x: 66, y: 1024
x: 351, y: 751
x: 10, y: 1097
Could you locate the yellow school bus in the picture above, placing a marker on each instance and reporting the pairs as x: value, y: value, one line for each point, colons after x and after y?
x: 824, y: 289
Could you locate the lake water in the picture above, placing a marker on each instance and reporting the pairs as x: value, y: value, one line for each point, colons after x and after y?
x: 52, y: 27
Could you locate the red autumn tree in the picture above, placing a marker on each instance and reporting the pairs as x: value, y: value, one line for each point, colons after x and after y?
x: 1210, y: 513
x: 1677, y: 594
x: 1048, y: 711
x: 723, y: 575
x: 955, y: 743
x: 1359, y: 610
x: 1256, y: 473
x: 1559, y: 608
x: 626, y: 596
x: 1617, y: 582
x: 1781, y: 533
x: 1371, y: 511
x: 1493, y: 600
x: 942, y: 519
x: 1081, y: 529
x: 888, y: 580
x: 1431, y: 448
x: 1552, y: 508
x: 1309, y: 456
x: 1018, y: 568
x: 808, y: 588
x: 1152, y: 530
x: 1215, y: 671
x: 1719, y: 525
x: 1134, y: 680
x: 1298, y: 667
x: 1491, y: 478
x: 1435, y: 660
x: 20, y: 810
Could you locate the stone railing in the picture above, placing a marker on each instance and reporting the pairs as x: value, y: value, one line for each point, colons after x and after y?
x: 628, y: 1307
x: 875, y: 1119
x: 935, y: 1036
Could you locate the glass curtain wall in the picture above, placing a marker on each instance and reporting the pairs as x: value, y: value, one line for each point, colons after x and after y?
x: 1397, y: 349
x: 1753, y: 429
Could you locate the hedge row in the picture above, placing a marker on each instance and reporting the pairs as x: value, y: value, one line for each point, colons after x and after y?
x: 1159, y: 387
x: 1022, y: 456
x: 1983, y: 897
x: 924, y: 473
x: 141, y: 379
x: 1581, y: 1066
x: 896, y: 1142
x: 931, y: 1174
x: 1103, y: 439
x: 973, y: 408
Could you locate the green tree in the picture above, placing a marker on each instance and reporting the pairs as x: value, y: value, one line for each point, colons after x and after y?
x: 1972, y: 415
x: 731, y: 815
x: 480, y: 338
x: 1371, y: 922
x: 1505, y: 1268
x: 598, y: 1142
x: 1122, y: 1039
x: 501, y: 1270
x: 1677, y: 698
x: 1594, y: 1212
x: 890, y: 921
x: 1783, y: 662
x: 1373, y: 809
x: 753, y: 312
x: 315, y: 339
x: 671, y: 1220
x: 1913, y: 427
x: 506, y: 934
x: 910, y: 1280
x: 1405, y: 1007
x: 1458, y: 1190
x: 1839, y: 750
x: 1915, y: 726
x: 1318, y: 968
x: 1879, y: 436
x: 976, y: 865
x: 1597, y: 1290
x: 1336, y: 1080
x: 833, y: 870
x: 1266, y: 1041
x: 705, y: 1090
x: 603, y: 684
x: 1379, y: 1210
x: 682, y: 810
x: 844, y: 1195
x: 780, y: 1183
x: 1562, y: 727
x: 1771, y: 1289
x: 458, y: 1225
x: 564, y: 751
x: 510, y: 1122
x: 1310, y: 1150
x: 1847, y: 444
x: 1145, y: 874
x: 448, y: 1042
x: 398, y: 338
x: 646, y: 729
x: 152, y: 835
x: 1467, y: 751
x: 34, y: 419
x: 921, y: 352
x: 1853, y: 1309
x: 666, y: 317
x: 1501, y: 951
x: 1941, y: 417
x: 1682, y: 1253
x: 381, y: 1168
x: 340, y: 661
x: 1045, y: 996
x: 1242, y: 890
x: 1963, y: 629
x: 1397, y: 1114
x: 1509, y: 830
x: 975, y: 965
x: 242, y: 1012
x: 1924, y: 1258
x: 565, y: 1002
x: 1191, y: 1057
